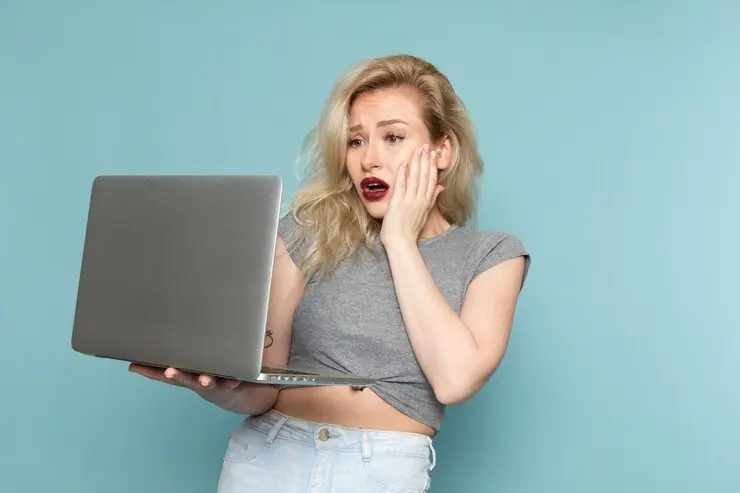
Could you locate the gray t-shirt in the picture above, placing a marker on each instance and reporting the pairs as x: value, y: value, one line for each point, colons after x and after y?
x: 351, y: 322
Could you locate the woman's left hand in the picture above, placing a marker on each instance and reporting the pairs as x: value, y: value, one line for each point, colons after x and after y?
x: 414, y: 194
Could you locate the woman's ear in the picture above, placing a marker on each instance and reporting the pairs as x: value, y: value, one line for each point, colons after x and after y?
x: 444, y: 151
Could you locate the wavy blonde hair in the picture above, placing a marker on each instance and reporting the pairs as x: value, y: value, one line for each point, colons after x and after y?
x: 333, y: 222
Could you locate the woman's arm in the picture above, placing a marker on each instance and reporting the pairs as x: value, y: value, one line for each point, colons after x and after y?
x: 287, y: 287
x: 457, y: 353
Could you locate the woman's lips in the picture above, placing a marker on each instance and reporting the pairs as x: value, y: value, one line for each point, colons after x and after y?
x: 374, y: 189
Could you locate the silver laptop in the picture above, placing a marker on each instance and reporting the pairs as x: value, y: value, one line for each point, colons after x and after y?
x: 176, y: 272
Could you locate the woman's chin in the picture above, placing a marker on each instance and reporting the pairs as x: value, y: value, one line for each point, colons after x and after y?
x: 377, y: 209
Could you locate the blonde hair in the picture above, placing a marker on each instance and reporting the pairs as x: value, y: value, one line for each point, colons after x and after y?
x: 333, y: 222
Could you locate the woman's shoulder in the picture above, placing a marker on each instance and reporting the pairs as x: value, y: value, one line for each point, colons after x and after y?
x: 486, y: 248
x: 296, y: 243
x: 287, y: 226
x: 483, y: 241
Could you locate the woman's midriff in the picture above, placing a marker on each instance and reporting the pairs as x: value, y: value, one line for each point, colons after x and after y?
x: 344, y: 406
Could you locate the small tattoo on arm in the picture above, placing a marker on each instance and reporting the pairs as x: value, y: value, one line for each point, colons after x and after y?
x: 268, y: 338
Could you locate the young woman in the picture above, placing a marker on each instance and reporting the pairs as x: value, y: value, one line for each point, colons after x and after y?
x: 377, y: 274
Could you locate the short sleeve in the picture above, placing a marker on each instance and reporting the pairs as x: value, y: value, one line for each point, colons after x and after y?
x: 288, y: 229
x: 495, y: 247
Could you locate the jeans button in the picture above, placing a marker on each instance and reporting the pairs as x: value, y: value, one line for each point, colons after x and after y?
x: 323, y: 434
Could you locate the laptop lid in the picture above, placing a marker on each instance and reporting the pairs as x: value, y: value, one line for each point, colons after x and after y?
x: 176, y: 271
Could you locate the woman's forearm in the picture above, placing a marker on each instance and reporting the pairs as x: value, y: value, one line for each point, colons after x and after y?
x: 443, y: 345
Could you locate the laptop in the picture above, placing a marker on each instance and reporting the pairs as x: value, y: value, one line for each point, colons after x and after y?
x: 176, y: 272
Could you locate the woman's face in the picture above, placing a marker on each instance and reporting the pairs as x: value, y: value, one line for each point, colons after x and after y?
x: 385, y: 128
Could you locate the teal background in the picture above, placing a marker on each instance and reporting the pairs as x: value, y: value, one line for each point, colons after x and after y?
x: 611, y: 133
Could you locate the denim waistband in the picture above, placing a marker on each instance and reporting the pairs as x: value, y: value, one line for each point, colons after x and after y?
x: 276, y: 425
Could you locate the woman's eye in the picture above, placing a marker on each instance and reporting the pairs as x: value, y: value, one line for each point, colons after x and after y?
x: 394, y: 139
x: 355, y: 142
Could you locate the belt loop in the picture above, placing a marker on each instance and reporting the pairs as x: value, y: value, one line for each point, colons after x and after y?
x: 366, y: 449
x: 276, y: 428
x: 434, y: 454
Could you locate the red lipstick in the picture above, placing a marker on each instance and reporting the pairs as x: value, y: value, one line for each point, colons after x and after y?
x: 374, y: 189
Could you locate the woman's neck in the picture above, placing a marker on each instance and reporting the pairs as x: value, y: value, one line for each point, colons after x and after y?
x: 436, y: 225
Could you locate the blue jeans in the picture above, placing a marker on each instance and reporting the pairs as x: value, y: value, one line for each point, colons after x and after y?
x: 275, y: 453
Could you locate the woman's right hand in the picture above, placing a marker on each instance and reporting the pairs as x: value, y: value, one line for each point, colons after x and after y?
x: 220, y: 391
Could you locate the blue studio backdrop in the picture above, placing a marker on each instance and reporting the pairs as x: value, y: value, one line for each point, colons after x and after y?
x: 611, y: 134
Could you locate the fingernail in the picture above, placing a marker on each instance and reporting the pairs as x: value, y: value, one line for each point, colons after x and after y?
x: 169, y: 373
